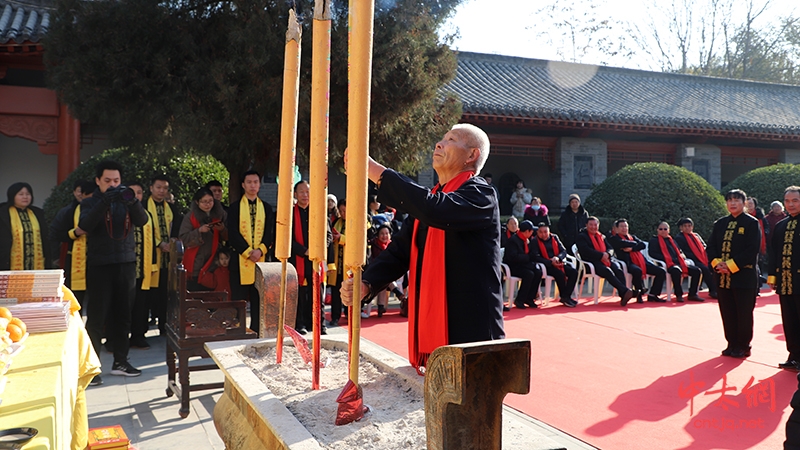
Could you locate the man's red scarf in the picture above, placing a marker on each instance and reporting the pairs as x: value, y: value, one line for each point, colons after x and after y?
x: 697, y: 248
x: 299, y: 261
x: 599, y: 244
x: 508, y: 233
x: 524, y: 240
x: 191, y: 253
x: 637, y: 258
x: 667, y: 258
x: 427, y: 314
x: 546, y: 255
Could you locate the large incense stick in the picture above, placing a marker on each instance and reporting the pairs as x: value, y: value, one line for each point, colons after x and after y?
x: 318, y: 162
x: 360, y: 65
x: 283, y: 223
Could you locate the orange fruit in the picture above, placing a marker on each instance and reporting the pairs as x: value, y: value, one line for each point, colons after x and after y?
x: 14, y: 332
x: 18, y: 322
x: 5, y: 313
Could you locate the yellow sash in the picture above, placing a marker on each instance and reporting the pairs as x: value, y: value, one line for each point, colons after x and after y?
x: 147, y: 255
x: 78, y: 269
x: 17, y: 241
x: 247, y: 268
x: 151, y: 206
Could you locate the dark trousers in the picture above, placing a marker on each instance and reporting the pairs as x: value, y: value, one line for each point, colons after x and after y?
x: 736, y: 308
x: 157, y: 300
x: 790, y: 316
x: 336, y: 298
x: 565, y: 280
x: 80, y: 296
x: 659, y: 277
x: 140, y: 320
x: 708, y: 279
x: 614, y: 275
x: 531, y: 278
x: 305, y: 307
x: 111, y: 292
x: 677, y: 278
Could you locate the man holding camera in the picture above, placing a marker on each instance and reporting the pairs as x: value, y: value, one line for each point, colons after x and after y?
x: 108, y: 218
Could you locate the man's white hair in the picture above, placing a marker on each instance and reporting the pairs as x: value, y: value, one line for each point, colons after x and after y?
x: 475, y: 138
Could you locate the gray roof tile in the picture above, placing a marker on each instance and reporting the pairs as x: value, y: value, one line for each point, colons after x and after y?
x: 531, y: 88
x: 24, y: 21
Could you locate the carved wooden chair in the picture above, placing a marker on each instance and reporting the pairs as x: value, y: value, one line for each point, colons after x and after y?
x: 194, y: 318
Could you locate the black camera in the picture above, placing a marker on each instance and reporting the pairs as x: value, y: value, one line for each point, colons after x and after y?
x: 122, y: 193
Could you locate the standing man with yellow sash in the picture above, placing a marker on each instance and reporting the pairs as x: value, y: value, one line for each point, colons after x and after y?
x: 164, y: 216
x: 23, y: 232
x: 251, y: 226
x: 144, y: 237
x: 733, y: 250
x: 784, y: 266
x: 65, y: 230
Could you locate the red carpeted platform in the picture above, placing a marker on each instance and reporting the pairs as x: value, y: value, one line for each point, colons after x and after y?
x: 649, y: 376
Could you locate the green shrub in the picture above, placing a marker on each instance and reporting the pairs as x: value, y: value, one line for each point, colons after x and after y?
x: 648, y: 193
x: 187, y: 172
x: 766, y: 184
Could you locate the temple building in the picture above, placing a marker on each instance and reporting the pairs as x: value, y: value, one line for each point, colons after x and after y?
x: 559, y: 127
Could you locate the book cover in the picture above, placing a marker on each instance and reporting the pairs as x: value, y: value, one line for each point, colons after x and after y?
x: 106, y: 438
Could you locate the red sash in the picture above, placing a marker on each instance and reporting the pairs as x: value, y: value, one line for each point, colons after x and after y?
x: 524, y: 240
x: 599, y: 244
x: 299, y: 261
x: 638, y: 259
x: 427, y: 314
x: 508, y: 233
x: 546, y: 255
x: 191, y: 253
x: 668, y: 258
x: 697, y: 248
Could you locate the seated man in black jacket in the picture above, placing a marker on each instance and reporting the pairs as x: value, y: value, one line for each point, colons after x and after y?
x: 592, y: 248
x: 694, y: 247
x: 518, y: 257
x: 663, y: 248
x: 548, y: 250
x: 628, y: 249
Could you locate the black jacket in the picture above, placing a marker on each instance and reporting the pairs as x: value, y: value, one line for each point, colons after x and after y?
x: 5, y: 237
x: 745, y: 245
x: 514, y: 255
x: 548, y: 246
x: 571, y: 224
x: 654, y: 249
x: 109, y: 242
x: 680, y: 239
x: 586, y: 248
x: 470, y: 218
x: 618, y: 243
x: 236, y: 240
x: 299, y: 249
x: 776, y: 255
x: 59, y: 233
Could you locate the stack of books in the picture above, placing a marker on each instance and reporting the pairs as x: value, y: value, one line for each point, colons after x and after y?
x: 27, y: 286
x: 108, y: 438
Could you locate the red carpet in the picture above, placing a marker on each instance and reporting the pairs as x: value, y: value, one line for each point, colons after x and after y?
x: 624, y: 378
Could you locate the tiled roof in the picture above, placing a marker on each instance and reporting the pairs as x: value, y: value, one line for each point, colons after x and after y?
x: 24, y: 20
x: 528, y: 88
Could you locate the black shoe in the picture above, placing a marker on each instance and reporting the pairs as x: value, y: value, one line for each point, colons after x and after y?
x: 695, y: 298
x: 333, y: 323
x: 727, y: 352
x: 679, y: 296
x: 96, y: 381
x: 520, y: 305
x: 302, y: 330
x: 381, y: 310
x: 626, y: 297
x: 323, y: 331
x: 125, y: 369
x: 574, y: 302
x: 713, y: 294
x: 655, y: 298
x: 740, y: 354
x: 139, y: 342
x: 568, y: 302
x: 506, y: 308
x: 791, y: 364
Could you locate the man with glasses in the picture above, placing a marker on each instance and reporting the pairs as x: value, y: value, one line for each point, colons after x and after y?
x: 663, y: 248
x: 733, y: 250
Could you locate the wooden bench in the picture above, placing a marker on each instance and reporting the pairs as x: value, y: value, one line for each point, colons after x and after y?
x: 194, y: 318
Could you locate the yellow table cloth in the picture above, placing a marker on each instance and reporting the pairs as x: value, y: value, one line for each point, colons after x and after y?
x: 46, y: 388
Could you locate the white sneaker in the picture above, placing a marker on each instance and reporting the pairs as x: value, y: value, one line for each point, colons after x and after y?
x: 364, y: 315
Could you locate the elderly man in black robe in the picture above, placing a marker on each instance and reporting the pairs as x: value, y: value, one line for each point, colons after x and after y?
x: 449, y: 244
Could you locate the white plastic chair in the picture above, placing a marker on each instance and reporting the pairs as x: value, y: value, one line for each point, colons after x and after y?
x: 595, y: 281
x: 511, y: 285
x: 663, y: 265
